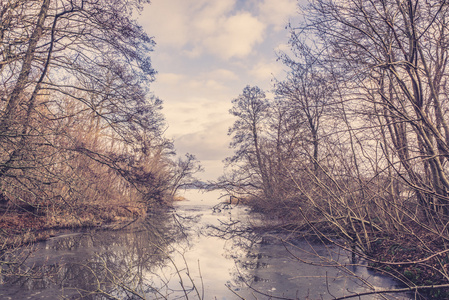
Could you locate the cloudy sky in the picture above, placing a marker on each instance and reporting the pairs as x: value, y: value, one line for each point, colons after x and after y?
x: 207, y: 52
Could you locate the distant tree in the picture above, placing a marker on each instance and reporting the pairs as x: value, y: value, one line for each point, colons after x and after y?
x: 251, y: 109
x: 183, y: 173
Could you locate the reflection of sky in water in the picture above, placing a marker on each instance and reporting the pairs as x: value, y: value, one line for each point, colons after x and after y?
x: 138, y: 259
x: 267, y: 267
x: 205, y: 259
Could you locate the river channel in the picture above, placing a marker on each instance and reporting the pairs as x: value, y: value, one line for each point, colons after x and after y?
x: 192, y: 252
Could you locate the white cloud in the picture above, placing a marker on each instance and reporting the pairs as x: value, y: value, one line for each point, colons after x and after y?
x: 201, y: 27
x: 209, y: 16
x: 193, y: 114
x: 187, y: 88
x: 204, y: 83
x: 278, y: 12
x: 204, y: 146
x: 210, y: 143
x: 166, y: 21
x: 265, y: 71
x: 222, y: 74
x: 169, y: 78
x: 284, y: 47
x: 206, y: 52
x: 236, y: 36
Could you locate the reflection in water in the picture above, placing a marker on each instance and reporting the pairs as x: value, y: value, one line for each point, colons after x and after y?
x: 302, y: 270
x: 98, y: 264
x: 196, y: 252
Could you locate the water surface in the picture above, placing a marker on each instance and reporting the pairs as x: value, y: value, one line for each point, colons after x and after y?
x: 193, y: 252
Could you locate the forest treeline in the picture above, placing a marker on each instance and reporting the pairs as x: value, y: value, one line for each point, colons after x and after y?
x: 354, y: 142
x: 81, y: 135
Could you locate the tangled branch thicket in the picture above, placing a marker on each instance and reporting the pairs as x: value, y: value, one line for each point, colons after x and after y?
x: 356, y: 143
x: 81, y: 136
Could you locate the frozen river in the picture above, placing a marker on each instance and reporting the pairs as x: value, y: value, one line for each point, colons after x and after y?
x: 193, y: 252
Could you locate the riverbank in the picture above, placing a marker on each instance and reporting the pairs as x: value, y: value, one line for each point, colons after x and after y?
x: 19, y: 227
x: 191, y: 250
x: 412, y: 253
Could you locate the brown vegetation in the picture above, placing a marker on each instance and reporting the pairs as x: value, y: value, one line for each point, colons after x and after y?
x: 356, y: 141
x: 81, y: 136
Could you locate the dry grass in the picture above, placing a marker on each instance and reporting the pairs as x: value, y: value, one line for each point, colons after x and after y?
x: 21, y: 227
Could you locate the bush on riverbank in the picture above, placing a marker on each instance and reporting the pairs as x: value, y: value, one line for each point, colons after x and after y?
x: 356, y: 142
x: 409, y: 250
x: 22, y: 227
x: 81, y: 136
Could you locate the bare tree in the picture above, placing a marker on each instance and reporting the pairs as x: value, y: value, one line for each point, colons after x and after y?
x: 365, y: 101
x: 251, y: 110
x: 183, y: 173
x: 308, y: 91
x: 78, y: 122
x: 385, y: 163
x: 396, y: 53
